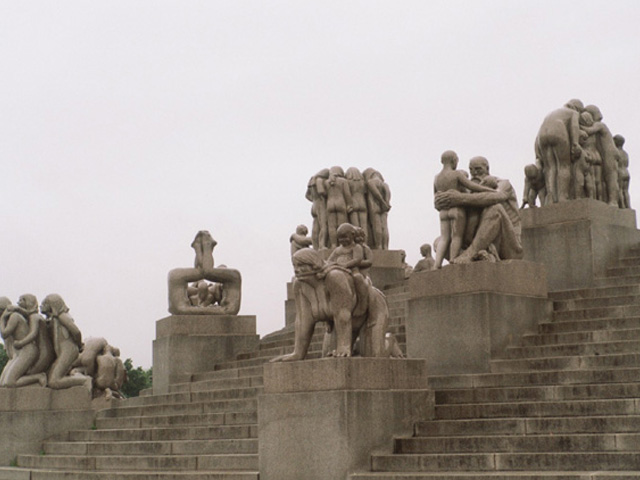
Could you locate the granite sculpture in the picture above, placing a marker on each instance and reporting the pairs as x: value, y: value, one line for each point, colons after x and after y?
x: 623, y: 173
x: 299, y: 239
x: 426, y: 262
x: 408, y: 269
x: 534, y: 187
x: 359, y: 198
x: 578, y: 157
x: 493, y: 227
x: 102, y: 363
x: 204, y: 289
x: 337, y: 293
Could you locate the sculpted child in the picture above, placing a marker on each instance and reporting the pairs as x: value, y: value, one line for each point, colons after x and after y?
x: 299, y: 240
x: 427, y: 262
x: 533, y: 186
x: 452, y: 220
x: 367, y: 261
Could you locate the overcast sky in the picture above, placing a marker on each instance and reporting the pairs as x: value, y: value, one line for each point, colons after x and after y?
x: 127, y: 126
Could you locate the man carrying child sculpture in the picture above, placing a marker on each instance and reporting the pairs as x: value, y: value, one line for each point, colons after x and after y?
x: 484, y: 225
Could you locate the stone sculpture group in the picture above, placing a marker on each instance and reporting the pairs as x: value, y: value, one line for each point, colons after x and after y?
x: 45, y: 347
x: 577, y: 157
x: 362, y: 199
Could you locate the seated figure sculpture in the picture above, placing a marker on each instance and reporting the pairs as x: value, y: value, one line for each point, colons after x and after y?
x: 496, y: 233
x: 426, y: 262
x: 220, y: 297
x: 327, y: 293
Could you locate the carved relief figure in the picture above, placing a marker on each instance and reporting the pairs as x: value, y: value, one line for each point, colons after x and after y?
x: 453, y: 220
x: 67, y: 341
x: 378, y: 198
x: 317, y: 195
x: 623, y: 173
x: 557, y: 144
x: 358, y: 188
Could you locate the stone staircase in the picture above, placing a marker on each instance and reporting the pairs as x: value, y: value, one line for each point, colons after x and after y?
x: 563, y: 404
x: 205, y: 429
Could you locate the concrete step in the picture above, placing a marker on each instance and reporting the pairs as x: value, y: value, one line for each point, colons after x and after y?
x: 515, y: 379
x: 571, y: 349
x: 592, y: 336
x: 221, y: 406
x: 8, y: 473
x: 228, y: 373
x: 217, y: 384
x: 507, y: 475
x: 615, y: 424
x: 576, y: 461
x: 589, y: 325
x: 206, y: 432
x: 612, y: 281
x: 596, y: 302
x: 594, y: 292
x: 576, y: 362
x: 195, y: 396
x: 226, y: 418
x: 161, y: 463
x: 171, y: 447
x: 597, y: 313
x: 537, y: 393
x: 600, y: 407
x: 520, y: 443
x: 622, y: 271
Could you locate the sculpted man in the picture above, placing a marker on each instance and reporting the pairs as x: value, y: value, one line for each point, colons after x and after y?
x: 557, y: 144
x: 498, y: 227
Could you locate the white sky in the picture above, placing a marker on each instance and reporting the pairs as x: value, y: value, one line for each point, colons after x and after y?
x: 127, y: 126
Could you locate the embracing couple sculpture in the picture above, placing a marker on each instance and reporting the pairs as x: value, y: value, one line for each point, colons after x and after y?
x: 484, y: 224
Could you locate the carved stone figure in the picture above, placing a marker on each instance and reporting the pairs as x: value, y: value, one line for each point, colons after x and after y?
x: 408, y: 269
x: 367, y: 261
x: 497, y: 231
x: 358, y: 188
x: 533, y: 186
x: 22, y: 348
x: 453, y: 220
x: 378, y: 198
x: 426, y: 262
x: 101, y: 361
x: 338, y: 202
x: 67, y: 341
x: 204, y: 290
x: 609, y: 154
x: 326, y: 293
x: 557, y: 144
x: 623, y: 173
x: 317, y: 195
x: 299, y: 239
x: 39, y: 330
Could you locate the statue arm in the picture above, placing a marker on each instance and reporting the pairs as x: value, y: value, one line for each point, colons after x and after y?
x: 374, y: 191
x: 69, y: 324
x: 31, y: 336
x: 473, y: 186
x: 452, y: 198
x: 6, y: 325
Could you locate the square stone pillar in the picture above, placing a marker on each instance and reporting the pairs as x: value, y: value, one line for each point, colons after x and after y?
x: 188, y: 344
x: 321, y: 419
x: 577, y: 240
x: 460, y: 316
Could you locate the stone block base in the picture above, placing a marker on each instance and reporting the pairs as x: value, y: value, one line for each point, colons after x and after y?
x: 577, y: 240
x: 387, y: 268
x: 462, y: 315
x: 188, y: 344
x: 321, y: 419
x: 31, y: 415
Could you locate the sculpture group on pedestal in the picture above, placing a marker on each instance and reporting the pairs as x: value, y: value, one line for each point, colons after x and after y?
x: 577, y: 157
x: 203, y: 289
x: 484, y: 225
x: 361, y: 199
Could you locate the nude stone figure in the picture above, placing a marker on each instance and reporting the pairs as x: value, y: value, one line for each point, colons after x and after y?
x: 587, y: 177
x: 299, y: 239
x: 426, y: 262
x: 609, y: 154
x: 203, y: 245
x: 338, y: 202
x: 101, y: 361
x: 533, y: 186
x: 67, y: 341
x: 623, y: 173
x: 23, y: 355
x: 358, y: 188
x: 557, y: 144
x: 317, y: 195
x: 498, y: 230
x: 378, y: 206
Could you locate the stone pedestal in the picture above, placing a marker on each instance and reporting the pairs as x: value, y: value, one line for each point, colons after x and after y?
x: 387, y: 268
x: 461, y: 315
x: 31, y: 415
x: 321, y: 419
x: 188, y: 344
x: 289, y: 306
x: 577, y: 240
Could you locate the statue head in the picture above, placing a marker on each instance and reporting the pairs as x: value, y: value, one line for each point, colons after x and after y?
x: 29, y: 302
x: 346, y: 234
x: 4, y: 303
x: 531, y: 171
x: 425, y: 250
x: 595, y: 112
x: 302, y: 230
x: 307, y: 261
x: 479, y: 167
x: 361, y: 235
x: 370, y: 173
x: 586, y: 119
x: 336, y: 172
x: 354, y: 175
x: 618, y: 140
x: 449, y: 157
x: 575, y: 104
x: 53, y: 305
x: 403, y: 256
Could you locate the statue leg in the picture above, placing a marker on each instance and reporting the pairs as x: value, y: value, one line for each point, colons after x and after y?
x: 487, y: 232
x: 344, y: 334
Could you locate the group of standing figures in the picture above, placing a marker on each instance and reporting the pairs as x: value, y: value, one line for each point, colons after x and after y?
x: 45, y: 346
x: 359, y: 198
x: 577, y: 157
